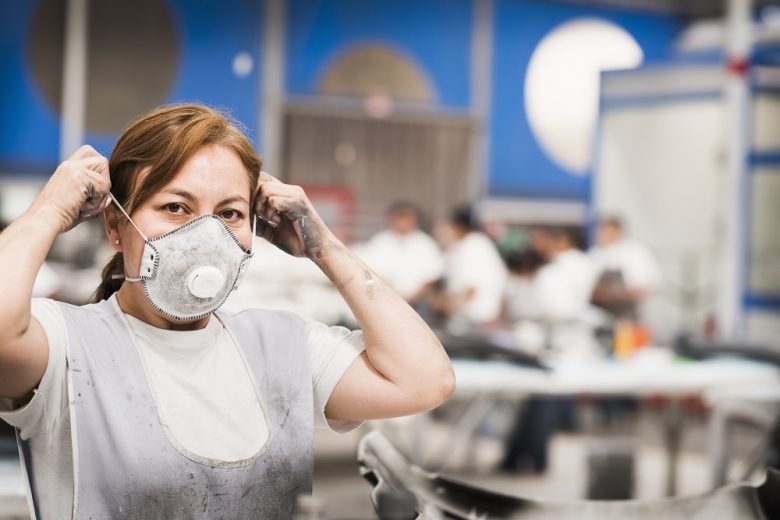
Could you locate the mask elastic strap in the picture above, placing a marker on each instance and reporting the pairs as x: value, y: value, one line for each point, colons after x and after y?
x: 254, y: 229
x: 124, y: 276
x: 126, y: 215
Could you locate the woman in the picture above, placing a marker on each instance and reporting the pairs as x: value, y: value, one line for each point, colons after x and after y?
x: 146, y: 404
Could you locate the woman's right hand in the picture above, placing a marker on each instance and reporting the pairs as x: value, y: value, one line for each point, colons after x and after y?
x: 78, y: 189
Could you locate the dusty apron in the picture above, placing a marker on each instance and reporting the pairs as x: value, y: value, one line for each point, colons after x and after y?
x: 126, y: 467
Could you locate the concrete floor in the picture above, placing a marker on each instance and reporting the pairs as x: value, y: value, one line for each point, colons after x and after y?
x: 343, y: 495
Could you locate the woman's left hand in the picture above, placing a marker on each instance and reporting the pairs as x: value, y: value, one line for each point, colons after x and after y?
x: 286, y: 218
x: 404, y: 369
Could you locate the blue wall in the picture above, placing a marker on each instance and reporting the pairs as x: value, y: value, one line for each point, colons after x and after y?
x: 519, y: 167
x: 211, y: 35
x: 433, y: 34
x: 29, y: 129
x: 436, y: 35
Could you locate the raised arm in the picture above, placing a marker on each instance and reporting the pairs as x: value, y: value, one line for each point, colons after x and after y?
x: 75, y: 192
x: 404, y: 368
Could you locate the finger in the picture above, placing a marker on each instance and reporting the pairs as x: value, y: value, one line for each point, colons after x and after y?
x: 260, y: 202
x: 292, y: 207
x: 95, y: 189
x: 261, y: 207
x: 267, y: 183
x: 265, y: 231
x: 274, y: 202
x: 267, y: 177
x: 278, y: 188
x: 271, y: 212
x: 97, y: 163
x: 83, y: 151
x: 265, y: 222
x: 102, y: 182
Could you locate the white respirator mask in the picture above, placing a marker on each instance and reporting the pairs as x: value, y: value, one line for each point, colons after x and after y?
x: 189, y: 272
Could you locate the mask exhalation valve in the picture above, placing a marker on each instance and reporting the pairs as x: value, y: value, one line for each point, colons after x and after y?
x: 205, y: 281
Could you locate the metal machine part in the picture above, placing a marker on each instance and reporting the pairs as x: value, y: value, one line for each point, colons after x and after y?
x: 405, y: 491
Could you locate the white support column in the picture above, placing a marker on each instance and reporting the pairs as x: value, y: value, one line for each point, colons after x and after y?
x: 481, y: 96
x: 74, y: 76
x: 272, y: 89
x: 739, y: 44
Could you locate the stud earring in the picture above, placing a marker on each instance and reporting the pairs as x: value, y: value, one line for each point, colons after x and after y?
x: 116, y: 241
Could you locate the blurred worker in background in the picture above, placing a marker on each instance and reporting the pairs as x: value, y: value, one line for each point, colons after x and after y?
x: 521, y: 299
x: 562, y: 289
x: 474, y: 275
x: 563, y: 286
x: 520, y: 314
x: 626, y: 271
x: 406, y: 257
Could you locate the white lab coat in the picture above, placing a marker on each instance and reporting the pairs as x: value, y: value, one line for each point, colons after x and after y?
x: 563, y: 289
x: 474, y: 263
x: 637, y: 264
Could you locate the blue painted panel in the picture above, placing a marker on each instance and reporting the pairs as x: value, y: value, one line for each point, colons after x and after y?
x: 434, y: 34
x: 761, y: 302
x: 518, y: 166
x: 767, y: 54
x: 212, y: 33
x: 764, y: 158
x: 29, y: 129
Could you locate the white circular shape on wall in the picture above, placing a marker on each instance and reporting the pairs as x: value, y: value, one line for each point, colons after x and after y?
x: 562, y: 86
x: 243, y: 64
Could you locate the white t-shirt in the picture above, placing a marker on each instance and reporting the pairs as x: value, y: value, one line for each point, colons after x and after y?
x: 521, y: 299
x: 563, y: 286
x: 192, y: 374
x: 636, y: 263
x: 473, y: 263
x: 405, y: 262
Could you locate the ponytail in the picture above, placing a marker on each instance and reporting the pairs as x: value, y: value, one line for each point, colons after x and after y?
x: 109, y: 285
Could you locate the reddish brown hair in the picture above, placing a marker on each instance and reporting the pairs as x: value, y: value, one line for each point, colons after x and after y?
x: 163, y: 141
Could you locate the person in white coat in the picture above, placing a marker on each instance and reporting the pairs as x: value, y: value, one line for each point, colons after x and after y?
x: 626, y: 270
x: 475, y: 276
x: 405, y: 256
x: 563, y: 288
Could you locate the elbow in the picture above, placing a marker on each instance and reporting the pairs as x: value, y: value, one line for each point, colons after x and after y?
x: 447, y: 385
x: 441, y: 388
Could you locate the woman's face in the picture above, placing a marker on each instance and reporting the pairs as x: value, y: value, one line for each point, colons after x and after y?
x: 213, y: 181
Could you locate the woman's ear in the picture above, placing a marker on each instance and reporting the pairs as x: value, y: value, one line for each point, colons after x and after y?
x: 111, y: 218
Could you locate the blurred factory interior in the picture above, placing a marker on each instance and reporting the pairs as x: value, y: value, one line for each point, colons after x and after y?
x: 544, y: 117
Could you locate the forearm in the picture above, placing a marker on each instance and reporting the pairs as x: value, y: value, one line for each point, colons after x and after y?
x: 23, y: 248
x: 399, y: 344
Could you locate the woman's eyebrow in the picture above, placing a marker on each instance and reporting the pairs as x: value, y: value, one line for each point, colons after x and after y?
x: 189, y: 196
x: 236, y: 198
x: 181, y: 193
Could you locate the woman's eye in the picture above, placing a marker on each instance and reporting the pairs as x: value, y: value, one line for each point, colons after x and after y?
x: 173, y: 207
x: 230, y: 214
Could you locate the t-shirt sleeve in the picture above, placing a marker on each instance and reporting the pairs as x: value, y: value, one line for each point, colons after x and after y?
x: 50, y: 398
x: 332, y: 350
